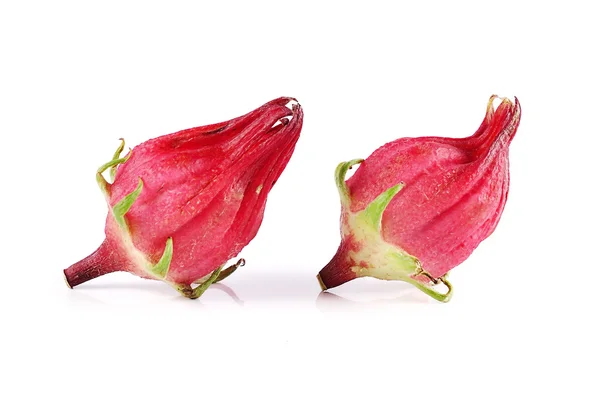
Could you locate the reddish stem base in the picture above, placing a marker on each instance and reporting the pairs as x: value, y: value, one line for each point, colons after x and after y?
x: 337, y: 272
x: 102, y: 261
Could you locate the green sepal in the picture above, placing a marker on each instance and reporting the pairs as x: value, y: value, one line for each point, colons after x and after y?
x: 195, y: 293
x: 426, y: 288
x: 116, y: 155
x: 200, y: 289
x: 225, y: 272
x: 340, y: 180
x: 229, y: 270
x: 122, y: 207
x: 406, y: 262
x: 103, y: 185
x: 162, y: 266
x: 113, y: 162
x: 373, y: 213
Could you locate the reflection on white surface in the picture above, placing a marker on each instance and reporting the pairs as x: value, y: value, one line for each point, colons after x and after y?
x: 228, y: 291
x: 264, y: 289
x: 328, y: 301
x: 141, y: 291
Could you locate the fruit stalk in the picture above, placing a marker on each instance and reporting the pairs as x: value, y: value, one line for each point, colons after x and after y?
x: 100, y: 262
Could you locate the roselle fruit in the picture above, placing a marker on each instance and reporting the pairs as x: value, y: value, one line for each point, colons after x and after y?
x: 182, y: 205
x: 418, y: 207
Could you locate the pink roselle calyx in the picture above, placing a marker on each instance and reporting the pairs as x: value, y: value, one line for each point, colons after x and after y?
x: 182, y: 205
x: 418, y: 207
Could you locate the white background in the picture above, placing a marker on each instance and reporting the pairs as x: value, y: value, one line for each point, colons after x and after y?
x: 521, y: 328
